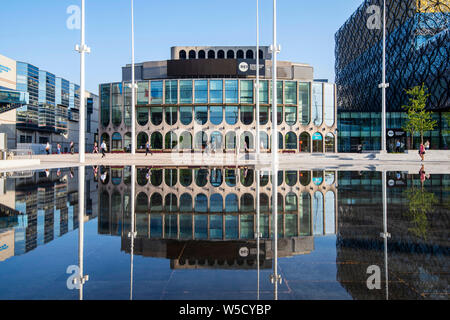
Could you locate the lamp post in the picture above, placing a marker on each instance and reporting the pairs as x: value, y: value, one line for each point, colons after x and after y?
x: 132, y: 233
x: 82, y: 49
x: 133, y: 86
x: 257, y: 82
x: 383, y: 85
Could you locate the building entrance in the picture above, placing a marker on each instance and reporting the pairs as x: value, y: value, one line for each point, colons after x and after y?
x: 395, y: 140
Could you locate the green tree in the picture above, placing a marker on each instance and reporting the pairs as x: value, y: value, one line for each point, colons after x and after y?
x: 421, y: 203
x: 418, y: 119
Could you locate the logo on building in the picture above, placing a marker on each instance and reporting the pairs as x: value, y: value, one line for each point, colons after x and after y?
x: 4, y: 247
x: 390, y: 133
x: 5, y: 69
x: 243, y: 66
x: 243, y: 252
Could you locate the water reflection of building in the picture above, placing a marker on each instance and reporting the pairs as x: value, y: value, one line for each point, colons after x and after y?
x: 43, y: 206
x: 209, y: 211
x: 417, y: 265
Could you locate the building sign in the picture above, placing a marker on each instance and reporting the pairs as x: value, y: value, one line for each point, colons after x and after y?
x: 6, y: 244
x: 396, y: 179
x: 7, y: 73
x: 395, y: 133
x: 248, y: 67
x: 317, y: 136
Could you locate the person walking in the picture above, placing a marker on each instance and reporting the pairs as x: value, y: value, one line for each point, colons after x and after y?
x: 427, y: 145
x: 397, y: 146
x: 103, y: 147
x: 58, y: 148
x: 47, y: 148
x: 72, y: 147
x: 147, y: 148
x: 422, y: 151
x: 95, y: 150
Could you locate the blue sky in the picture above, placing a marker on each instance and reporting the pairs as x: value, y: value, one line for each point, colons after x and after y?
x: 35, y: 32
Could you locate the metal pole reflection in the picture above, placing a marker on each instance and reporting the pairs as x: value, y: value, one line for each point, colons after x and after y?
x: 132, y: 233
x: 385, y: 235
x: 81, y: 209
x: 258, y: 233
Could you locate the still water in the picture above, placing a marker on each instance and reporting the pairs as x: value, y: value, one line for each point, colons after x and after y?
x: 196, y: 234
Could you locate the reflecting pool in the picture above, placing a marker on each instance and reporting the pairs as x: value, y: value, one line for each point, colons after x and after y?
x: 209, y: 233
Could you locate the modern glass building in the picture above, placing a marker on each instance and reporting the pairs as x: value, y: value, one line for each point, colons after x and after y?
x: 49, y: 114
x: 204, y: 98
x: 417, y: 51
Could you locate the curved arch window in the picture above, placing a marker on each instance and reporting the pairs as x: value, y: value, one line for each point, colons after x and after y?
x: 230, y: 140
x: 142, y: 203
x: 116, y: 141
x: 304, y: 141
x: 156, y: 141
x: 127, y: 175
x: 216, y: 203
x: 156, y: 203
x: 142, y: 139
x: 247, y: 139
x: 317, y: 104
x: 291, y: 178
x: 186, y: 115
x: 142, y: 116
x: 247, y: 203
x: 185, y: 177
x: 170, y: 203
x: 249, y: 54
x: 305, y: 214
x: 201, y: 114
x: 280, y: 141
x: 156, y: 177
x: 231, y: 203
x: 116, y: 176
x: 246, y: 95
x: 220, y: 54
x: 171, y: 91
x: 185, y: 141
x: 141, y: 176
x: 260, y: 54
x: 328, y: 103
x: 303, y: 102
x: 330, y: 213
x: 290, y: 92
x: 211, y: 54
x: 279, y: 115
x: 230, y: 177
x: 186, y: 203
x: 264, y: 203
x: 156, y: 115
x: 317, y: 177
x: 201, y: 54
x: 185, y: 91
x: 216, y: 177
x: 247, y: 177
x: 182, y: 55
x: 280, y: 177
x: 247, y: 114
x: 201, y: 203
x: 317, y: 142
x: 171, y: 115
x: 230, y: 54
x: 171, y: 140
x: 216, y: 114
x: 201, y: 139
x: 290, y: 114
x: 264, y: 179
x: 231, y: 91
x: 216, y: 140
x: 116, y: 102
x: 201, y: 177
x: 231, y: 114
x: 240, y: 54
x: 317, y: 212
x: 201, y: 91
x: 329, y: 142
x: 291, y: 141
x: 305, y: 178
x: 170, y: 177
x: 264, y: 115
x: 192, y: 54
x: 156, y: 92
x: 105, y: 94
x: 291, y: 203
x: 215, y: 91
x: 264, y: 140
x: 329, y: 177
